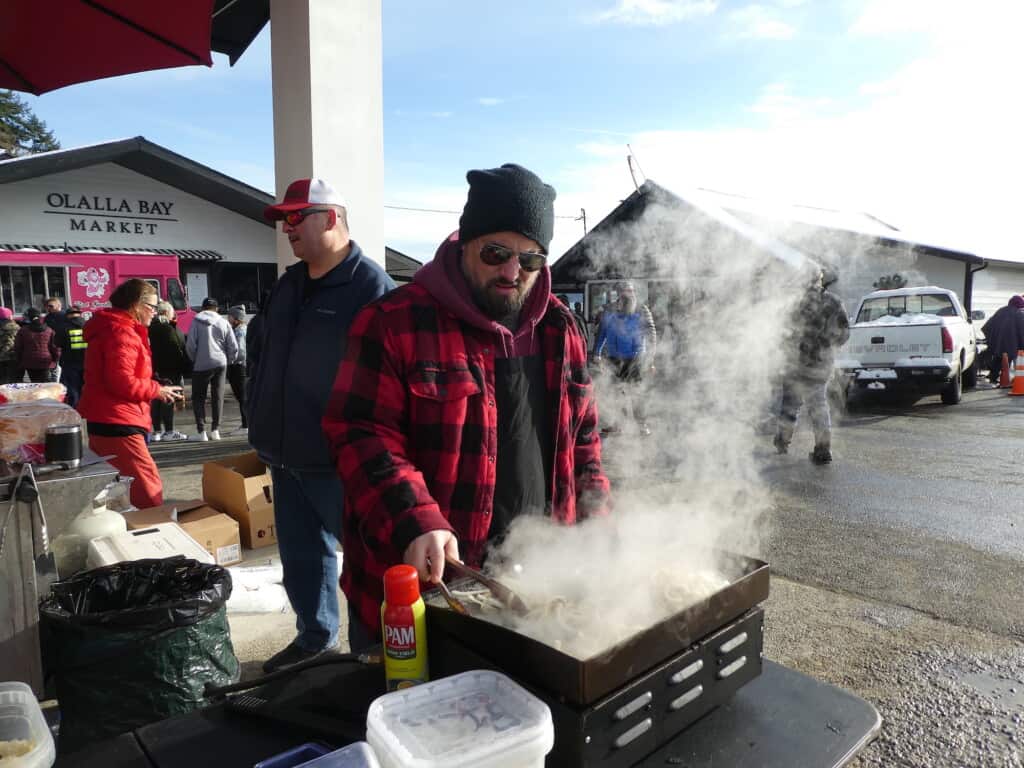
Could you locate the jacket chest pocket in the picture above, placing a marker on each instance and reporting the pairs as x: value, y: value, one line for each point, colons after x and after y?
x: 442, y: 384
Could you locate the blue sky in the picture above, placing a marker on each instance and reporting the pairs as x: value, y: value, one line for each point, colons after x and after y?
x: 903, y: 108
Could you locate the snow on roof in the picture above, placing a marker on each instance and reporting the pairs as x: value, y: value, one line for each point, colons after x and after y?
x: 919, y: 290
x: 854, y: 221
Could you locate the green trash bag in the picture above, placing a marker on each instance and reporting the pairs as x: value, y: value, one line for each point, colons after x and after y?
x: 134, y: 643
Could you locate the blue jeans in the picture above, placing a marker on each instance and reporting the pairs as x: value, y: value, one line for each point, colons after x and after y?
x: 307, y: 513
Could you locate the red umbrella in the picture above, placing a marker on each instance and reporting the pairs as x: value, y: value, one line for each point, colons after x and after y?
x: 47, y: 44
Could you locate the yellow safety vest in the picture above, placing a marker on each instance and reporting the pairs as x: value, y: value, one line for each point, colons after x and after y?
x: 77, y: 340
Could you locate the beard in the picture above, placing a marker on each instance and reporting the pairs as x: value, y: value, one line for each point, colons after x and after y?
x: 500, y: 307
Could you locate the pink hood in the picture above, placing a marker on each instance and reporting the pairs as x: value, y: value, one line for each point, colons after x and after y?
x: 444, y: 280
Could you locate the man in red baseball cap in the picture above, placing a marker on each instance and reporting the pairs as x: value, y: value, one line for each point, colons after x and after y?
x: 306, y: 325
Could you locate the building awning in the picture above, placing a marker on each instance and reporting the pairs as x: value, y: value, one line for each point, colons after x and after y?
x: 190, y: 254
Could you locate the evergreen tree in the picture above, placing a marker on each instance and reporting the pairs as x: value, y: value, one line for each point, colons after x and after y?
x: 21, y: 132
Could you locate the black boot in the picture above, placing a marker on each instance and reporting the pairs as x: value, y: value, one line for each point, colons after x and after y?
x: 780, y: 443
x: 822, y: 454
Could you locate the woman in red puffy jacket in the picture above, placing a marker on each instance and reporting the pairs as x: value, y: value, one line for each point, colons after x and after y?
x: 119, y: 387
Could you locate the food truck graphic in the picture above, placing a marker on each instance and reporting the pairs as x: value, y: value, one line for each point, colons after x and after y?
x: 86, y: 279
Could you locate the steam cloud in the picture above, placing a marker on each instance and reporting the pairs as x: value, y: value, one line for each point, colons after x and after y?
x: 694, y: 488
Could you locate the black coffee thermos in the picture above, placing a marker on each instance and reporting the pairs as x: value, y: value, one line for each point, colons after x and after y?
x: 64, y: 444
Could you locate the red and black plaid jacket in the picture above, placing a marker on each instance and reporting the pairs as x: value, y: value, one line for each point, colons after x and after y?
x: 413, y: 428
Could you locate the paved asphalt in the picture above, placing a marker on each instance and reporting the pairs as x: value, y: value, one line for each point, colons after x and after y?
x: 921, y: 508
x: 952, y: 472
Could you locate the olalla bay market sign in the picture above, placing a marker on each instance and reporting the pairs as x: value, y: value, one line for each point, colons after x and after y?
x: 114, y: 215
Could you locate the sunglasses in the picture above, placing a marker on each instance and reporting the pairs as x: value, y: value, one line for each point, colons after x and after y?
x: 294, y: 218
x: 151, y: 307
x: 494, y: 255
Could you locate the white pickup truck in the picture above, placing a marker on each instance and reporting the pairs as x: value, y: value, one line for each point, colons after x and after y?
x: 911, y: 337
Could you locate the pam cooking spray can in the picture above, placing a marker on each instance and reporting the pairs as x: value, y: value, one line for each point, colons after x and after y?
x: 403, y: 619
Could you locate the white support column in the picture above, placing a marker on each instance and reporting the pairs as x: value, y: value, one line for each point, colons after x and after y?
x: 329, y: 108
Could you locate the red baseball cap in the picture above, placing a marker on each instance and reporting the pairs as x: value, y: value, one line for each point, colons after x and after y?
x: 304, y: 193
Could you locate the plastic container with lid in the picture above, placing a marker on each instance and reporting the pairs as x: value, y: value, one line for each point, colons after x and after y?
x: 315, y: 755
x: 21, y: 720
x: 296, y: 756
x: 358, y: 755
x: 477, y: 719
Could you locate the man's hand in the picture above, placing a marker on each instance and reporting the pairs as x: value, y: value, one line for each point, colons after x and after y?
x: 426, y: 553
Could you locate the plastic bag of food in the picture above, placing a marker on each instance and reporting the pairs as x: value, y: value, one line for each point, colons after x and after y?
x: 23, y: 393
x: 23, y: 427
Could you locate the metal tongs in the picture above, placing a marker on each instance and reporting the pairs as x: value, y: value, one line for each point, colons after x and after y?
x: 504, y: 595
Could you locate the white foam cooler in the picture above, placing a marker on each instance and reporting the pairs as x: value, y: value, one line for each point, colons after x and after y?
x: 157, y: 542
x: 478, y: 719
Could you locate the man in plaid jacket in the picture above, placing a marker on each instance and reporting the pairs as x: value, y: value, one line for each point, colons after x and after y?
x: 463, y: 400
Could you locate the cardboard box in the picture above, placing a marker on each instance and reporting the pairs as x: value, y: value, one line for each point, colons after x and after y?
x: 217, y: 533
x: 141, y: 518
x: 240, y: 486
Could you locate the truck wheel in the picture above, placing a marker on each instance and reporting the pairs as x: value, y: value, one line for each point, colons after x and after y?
x: 971, y: 375
x: 953, y: 391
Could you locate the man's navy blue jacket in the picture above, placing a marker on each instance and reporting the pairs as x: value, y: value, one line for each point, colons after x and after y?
x: 304, y: 340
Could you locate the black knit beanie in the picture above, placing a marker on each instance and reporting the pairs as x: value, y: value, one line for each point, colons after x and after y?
x: 508, y: 199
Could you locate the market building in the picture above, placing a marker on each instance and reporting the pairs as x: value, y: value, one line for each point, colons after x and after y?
x: 132, y: 195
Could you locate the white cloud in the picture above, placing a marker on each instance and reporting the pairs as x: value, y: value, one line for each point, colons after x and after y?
x: 975, y: 24
x: 490, y: 101
x: 934, y: 148
x: 656, y: 12
x: 757, y: 22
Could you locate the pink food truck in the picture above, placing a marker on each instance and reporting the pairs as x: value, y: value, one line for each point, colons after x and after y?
x: 86, y: 279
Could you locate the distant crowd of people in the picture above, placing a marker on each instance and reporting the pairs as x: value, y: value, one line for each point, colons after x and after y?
x: 35, y: 348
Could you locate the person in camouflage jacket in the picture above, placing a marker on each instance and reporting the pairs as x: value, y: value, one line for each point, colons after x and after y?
x: 817, y: 327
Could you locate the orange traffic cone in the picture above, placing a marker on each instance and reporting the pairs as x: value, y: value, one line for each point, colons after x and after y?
x: 1004, y: 377
x: 1018, y: 379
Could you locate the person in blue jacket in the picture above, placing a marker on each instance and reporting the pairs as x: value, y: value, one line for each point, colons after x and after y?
x: 627, y: 339
x: 303, y: 338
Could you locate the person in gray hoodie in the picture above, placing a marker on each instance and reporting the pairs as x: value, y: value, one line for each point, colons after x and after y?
x: 211, y: 347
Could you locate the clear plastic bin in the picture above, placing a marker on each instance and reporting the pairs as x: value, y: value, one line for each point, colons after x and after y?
x: 295, y: 757
x: 358, y: 755
x: 21, y: 719
x: 476, y: 719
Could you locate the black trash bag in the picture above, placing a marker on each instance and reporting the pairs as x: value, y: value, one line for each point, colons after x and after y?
x: 134, y: 643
